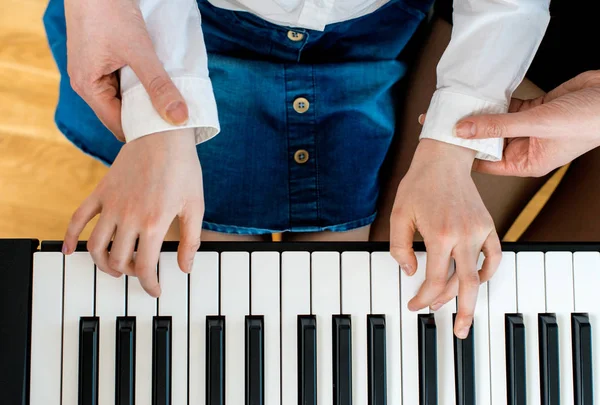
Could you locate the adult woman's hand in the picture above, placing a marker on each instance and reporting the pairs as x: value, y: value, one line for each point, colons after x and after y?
x: 103, y: 37
x: 544, y: 133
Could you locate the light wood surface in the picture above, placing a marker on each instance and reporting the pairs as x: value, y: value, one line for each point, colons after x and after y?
x: 43, y: 178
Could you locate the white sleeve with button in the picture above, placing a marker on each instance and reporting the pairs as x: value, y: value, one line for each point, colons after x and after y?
x: 174, y: 26
x: 493, y: 43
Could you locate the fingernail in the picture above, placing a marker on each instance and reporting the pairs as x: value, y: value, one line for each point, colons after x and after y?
x: 65, y: 249
x: 190, y: 266
x: 463, y: 333
x: 407, y: 269
x: 421, y: 119
x: 436, y: 306
x: 177, y: 113
x: 466, y: 129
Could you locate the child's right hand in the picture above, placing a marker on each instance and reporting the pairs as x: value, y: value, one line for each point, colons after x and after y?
x: 104, y: 36
x: 153, y: 180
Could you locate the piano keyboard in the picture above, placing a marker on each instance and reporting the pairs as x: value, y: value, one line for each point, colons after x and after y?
x: 279, y: 324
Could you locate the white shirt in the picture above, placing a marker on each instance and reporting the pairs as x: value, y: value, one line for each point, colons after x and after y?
x: 493, y: 43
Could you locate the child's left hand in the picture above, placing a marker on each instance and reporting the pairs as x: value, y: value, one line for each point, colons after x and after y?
x: 153, y: 180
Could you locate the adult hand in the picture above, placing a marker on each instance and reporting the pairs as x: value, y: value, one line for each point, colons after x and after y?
x: 153, y: 180
x: 438, y: 197
x: 544, y: 133
x: 103, y: 37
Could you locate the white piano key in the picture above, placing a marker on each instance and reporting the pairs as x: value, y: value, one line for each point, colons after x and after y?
x: 482, y: 344
x: 204, y: 301
x: 235, y: 302
x: 531, y: 301
x: 265, y: 301
x: 445, y: 350
x: 409, y: 286
x: 502, y: 298
x: 385, y: 284
x: 295, y: 300
x: 110, y: 303
x: 46, y: 329
x: 559, y: 300
x: 586, y: 267
x: 143, y: 307
x: 325, y: 284
x: 356, y: 301
x: 173, y: 302
x: 79, y: 301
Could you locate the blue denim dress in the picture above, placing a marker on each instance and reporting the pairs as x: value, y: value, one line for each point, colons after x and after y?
x: 307, y: 117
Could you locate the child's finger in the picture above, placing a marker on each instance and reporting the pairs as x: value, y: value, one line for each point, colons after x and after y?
x: 146, y: 261
x: 468, y: 290
x: 436, y: 277
x: 121, y: 251
x: 98, y: 243
x: 190, y: 226
x: 402, y: 232
x: 84, y: 214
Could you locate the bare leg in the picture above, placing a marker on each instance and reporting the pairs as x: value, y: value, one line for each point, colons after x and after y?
x: 572, y: 213
x: 503, y: 196
x: 356, y: 235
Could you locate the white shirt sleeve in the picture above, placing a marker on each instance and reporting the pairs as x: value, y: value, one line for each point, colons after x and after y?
x: 493, y: 43
x: 174, y: 26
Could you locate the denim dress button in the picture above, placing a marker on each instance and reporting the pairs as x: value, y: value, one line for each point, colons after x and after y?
x: 295, y: 36
x: 301, y: 156
x: 301, y: 105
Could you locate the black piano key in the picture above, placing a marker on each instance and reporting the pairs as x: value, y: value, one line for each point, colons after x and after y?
x: 307, y: 360
x: 464, y: 368
x: 255, y: 360
x: 515, y: 360
x: 377, y: 377
x: 89, y: 334
x: 549, y: 359
x: 16, y: 263
x: 161, y: 360
x: 428, y: 385
x: 125, y: 361
x: 215, y: 360
x: 581, y: 337
x: 342, y: 359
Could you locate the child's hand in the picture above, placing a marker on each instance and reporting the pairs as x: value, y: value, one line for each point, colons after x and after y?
x: 153, y: 180
x: 104, y: 36
x: 438, y: 197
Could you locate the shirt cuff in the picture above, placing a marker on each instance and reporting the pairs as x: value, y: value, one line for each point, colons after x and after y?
x: 139, y: 118
x: 447, y: 108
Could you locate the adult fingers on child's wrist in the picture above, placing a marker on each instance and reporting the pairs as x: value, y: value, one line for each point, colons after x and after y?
x: 98, y: 243
x: 122, y: 248
x: 84, y: 214
x: 438, y: 264
x: 190, y: 225
x: 402, y: 232
x: 107, y: 106
x: 468, y: 289
x: 165, y: 96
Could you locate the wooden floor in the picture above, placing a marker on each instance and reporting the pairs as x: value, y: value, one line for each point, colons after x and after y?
x: 43, y: 178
